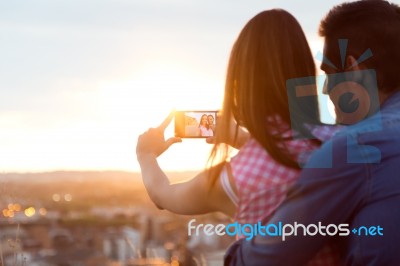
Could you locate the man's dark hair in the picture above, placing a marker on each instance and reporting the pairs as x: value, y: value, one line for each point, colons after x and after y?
x: 366, y: 24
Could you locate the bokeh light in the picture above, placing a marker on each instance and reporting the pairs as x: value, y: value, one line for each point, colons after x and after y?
x: 29, y: 212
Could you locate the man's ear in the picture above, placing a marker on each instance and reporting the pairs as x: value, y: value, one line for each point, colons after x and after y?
x: 352, y: 64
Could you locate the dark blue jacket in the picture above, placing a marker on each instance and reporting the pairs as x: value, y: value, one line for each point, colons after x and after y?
x: 352, y: 179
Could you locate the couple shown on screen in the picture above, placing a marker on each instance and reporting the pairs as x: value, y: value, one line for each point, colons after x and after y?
x: 206, y: 126
x: 290, y: 169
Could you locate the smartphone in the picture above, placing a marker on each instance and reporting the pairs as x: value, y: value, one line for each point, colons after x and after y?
x: 195, y: 124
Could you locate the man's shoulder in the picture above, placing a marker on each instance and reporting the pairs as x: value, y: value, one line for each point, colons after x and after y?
x: 340, y: 157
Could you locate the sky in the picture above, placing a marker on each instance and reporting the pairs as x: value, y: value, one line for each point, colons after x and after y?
x: 80, y: 80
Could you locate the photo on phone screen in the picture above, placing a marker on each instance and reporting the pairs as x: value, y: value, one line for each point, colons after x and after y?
x: 195, y: 124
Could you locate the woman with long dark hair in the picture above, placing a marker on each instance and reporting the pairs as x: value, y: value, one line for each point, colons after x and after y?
x: 255, y: 118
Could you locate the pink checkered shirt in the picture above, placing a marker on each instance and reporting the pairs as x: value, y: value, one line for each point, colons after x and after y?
x: 262, y: 184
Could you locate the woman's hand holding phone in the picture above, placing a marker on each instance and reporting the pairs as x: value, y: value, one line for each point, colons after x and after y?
x: 241, y: 138
x: 153, y: 142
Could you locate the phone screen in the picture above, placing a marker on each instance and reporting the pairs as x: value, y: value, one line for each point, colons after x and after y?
x: 195, y: 124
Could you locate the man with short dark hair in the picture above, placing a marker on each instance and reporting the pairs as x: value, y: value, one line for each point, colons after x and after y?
x: 369, y: 26
x: 349, y: 191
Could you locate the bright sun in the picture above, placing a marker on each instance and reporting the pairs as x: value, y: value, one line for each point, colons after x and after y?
x: 102, y: 133
x: 134, y: 105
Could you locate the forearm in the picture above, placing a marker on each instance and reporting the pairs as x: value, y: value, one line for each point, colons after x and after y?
x: 188, y: 198
x: 191, y: 197
x: 322, y: 196
x: 320, y: 209
x: 154, y: 179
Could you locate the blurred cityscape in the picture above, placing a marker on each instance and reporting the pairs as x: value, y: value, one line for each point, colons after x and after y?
x: 96, y: 219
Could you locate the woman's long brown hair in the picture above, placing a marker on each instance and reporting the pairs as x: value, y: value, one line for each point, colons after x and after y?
x: 270, y: 50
